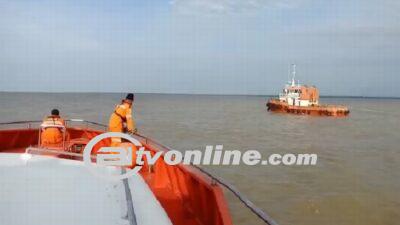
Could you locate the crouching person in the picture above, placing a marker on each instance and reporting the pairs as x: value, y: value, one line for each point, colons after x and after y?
x: 52, y: 130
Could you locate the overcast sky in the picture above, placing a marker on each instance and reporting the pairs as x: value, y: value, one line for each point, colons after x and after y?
x: 345, y: 47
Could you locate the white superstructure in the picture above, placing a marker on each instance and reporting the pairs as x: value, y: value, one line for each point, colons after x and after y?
x: 298, y: 95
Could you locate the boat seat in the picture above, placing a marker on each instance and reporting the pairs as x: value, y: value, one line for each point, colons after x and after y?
x: 76, y: 145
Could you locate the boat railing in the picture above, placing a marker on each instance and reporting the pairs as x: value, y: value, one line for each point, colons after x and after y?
x: 23, y: 124
x: 35, y: 124
x: 30, y: 124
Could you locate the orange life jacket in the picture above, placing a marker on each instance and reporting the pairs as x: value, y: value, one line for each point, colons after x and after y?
x: 52, y: 133
x: 121, y: 118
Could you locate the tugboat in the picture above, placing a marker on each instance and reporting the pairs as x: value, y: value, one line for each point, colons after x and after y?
x: 303, y: 99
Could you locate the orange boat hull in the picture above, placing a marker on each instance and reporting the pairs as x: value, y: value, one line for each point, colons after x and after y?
x: 329, y: 110
x: 188, y: 196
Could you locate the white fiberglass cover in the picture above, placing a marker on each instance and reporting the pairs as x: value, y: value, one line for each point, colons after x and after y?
x: 50, y: 191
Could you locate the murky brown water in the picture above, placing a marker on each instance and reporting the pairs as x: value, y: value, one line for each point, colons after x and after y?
x: 356, y: 180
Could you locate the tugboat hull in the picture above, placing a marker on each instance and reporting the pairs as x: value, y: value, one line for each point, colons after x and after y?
x: 319, y: 110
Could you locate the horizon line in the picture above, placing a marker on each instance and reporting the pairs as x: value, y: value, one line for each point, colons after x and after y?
x: 204, y: 94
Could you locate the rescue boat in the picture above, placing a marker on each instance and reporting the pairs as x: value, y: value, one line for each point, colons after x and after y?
x: 51, y: 186
x: 303, y: 99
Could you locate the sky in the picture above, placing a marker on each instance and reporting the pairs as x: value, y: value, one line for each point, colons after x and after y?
x: 344, y: 47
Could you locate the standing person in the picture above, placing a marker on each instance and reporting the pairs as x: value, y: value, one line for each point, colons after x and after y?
x: 121, y: 119
x: 53, y: 128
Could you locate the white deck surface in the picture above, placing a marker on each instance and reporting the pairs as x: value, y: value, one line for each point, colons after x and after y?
x: 49, y: 191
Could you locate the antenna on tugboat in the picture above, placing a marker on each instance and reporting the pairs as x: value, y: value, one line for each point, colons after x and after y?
x: 293, y: 74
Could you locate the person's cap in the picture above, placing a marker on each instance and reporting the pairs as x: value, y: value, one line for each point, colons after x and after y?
x: 55, y: 112
x: 130, y: 96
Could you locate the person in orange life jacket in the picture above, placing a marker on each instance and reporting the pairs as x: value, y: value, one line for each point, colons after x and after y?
x: 121, y: 119
x: 53, y: 128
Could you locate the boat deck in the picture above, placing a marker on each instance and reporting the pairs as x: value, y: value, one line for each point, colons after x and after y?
x: 46, y: 190
x: 186, y: 196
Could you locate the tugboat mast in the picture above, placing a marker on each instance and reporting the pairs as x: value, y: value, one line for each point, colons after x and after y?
x: 293, y: 74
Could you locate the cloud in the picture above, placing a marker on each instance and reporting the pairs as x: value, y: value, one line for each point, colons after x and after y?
x: 38, y: 31
x: 230, y: 6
